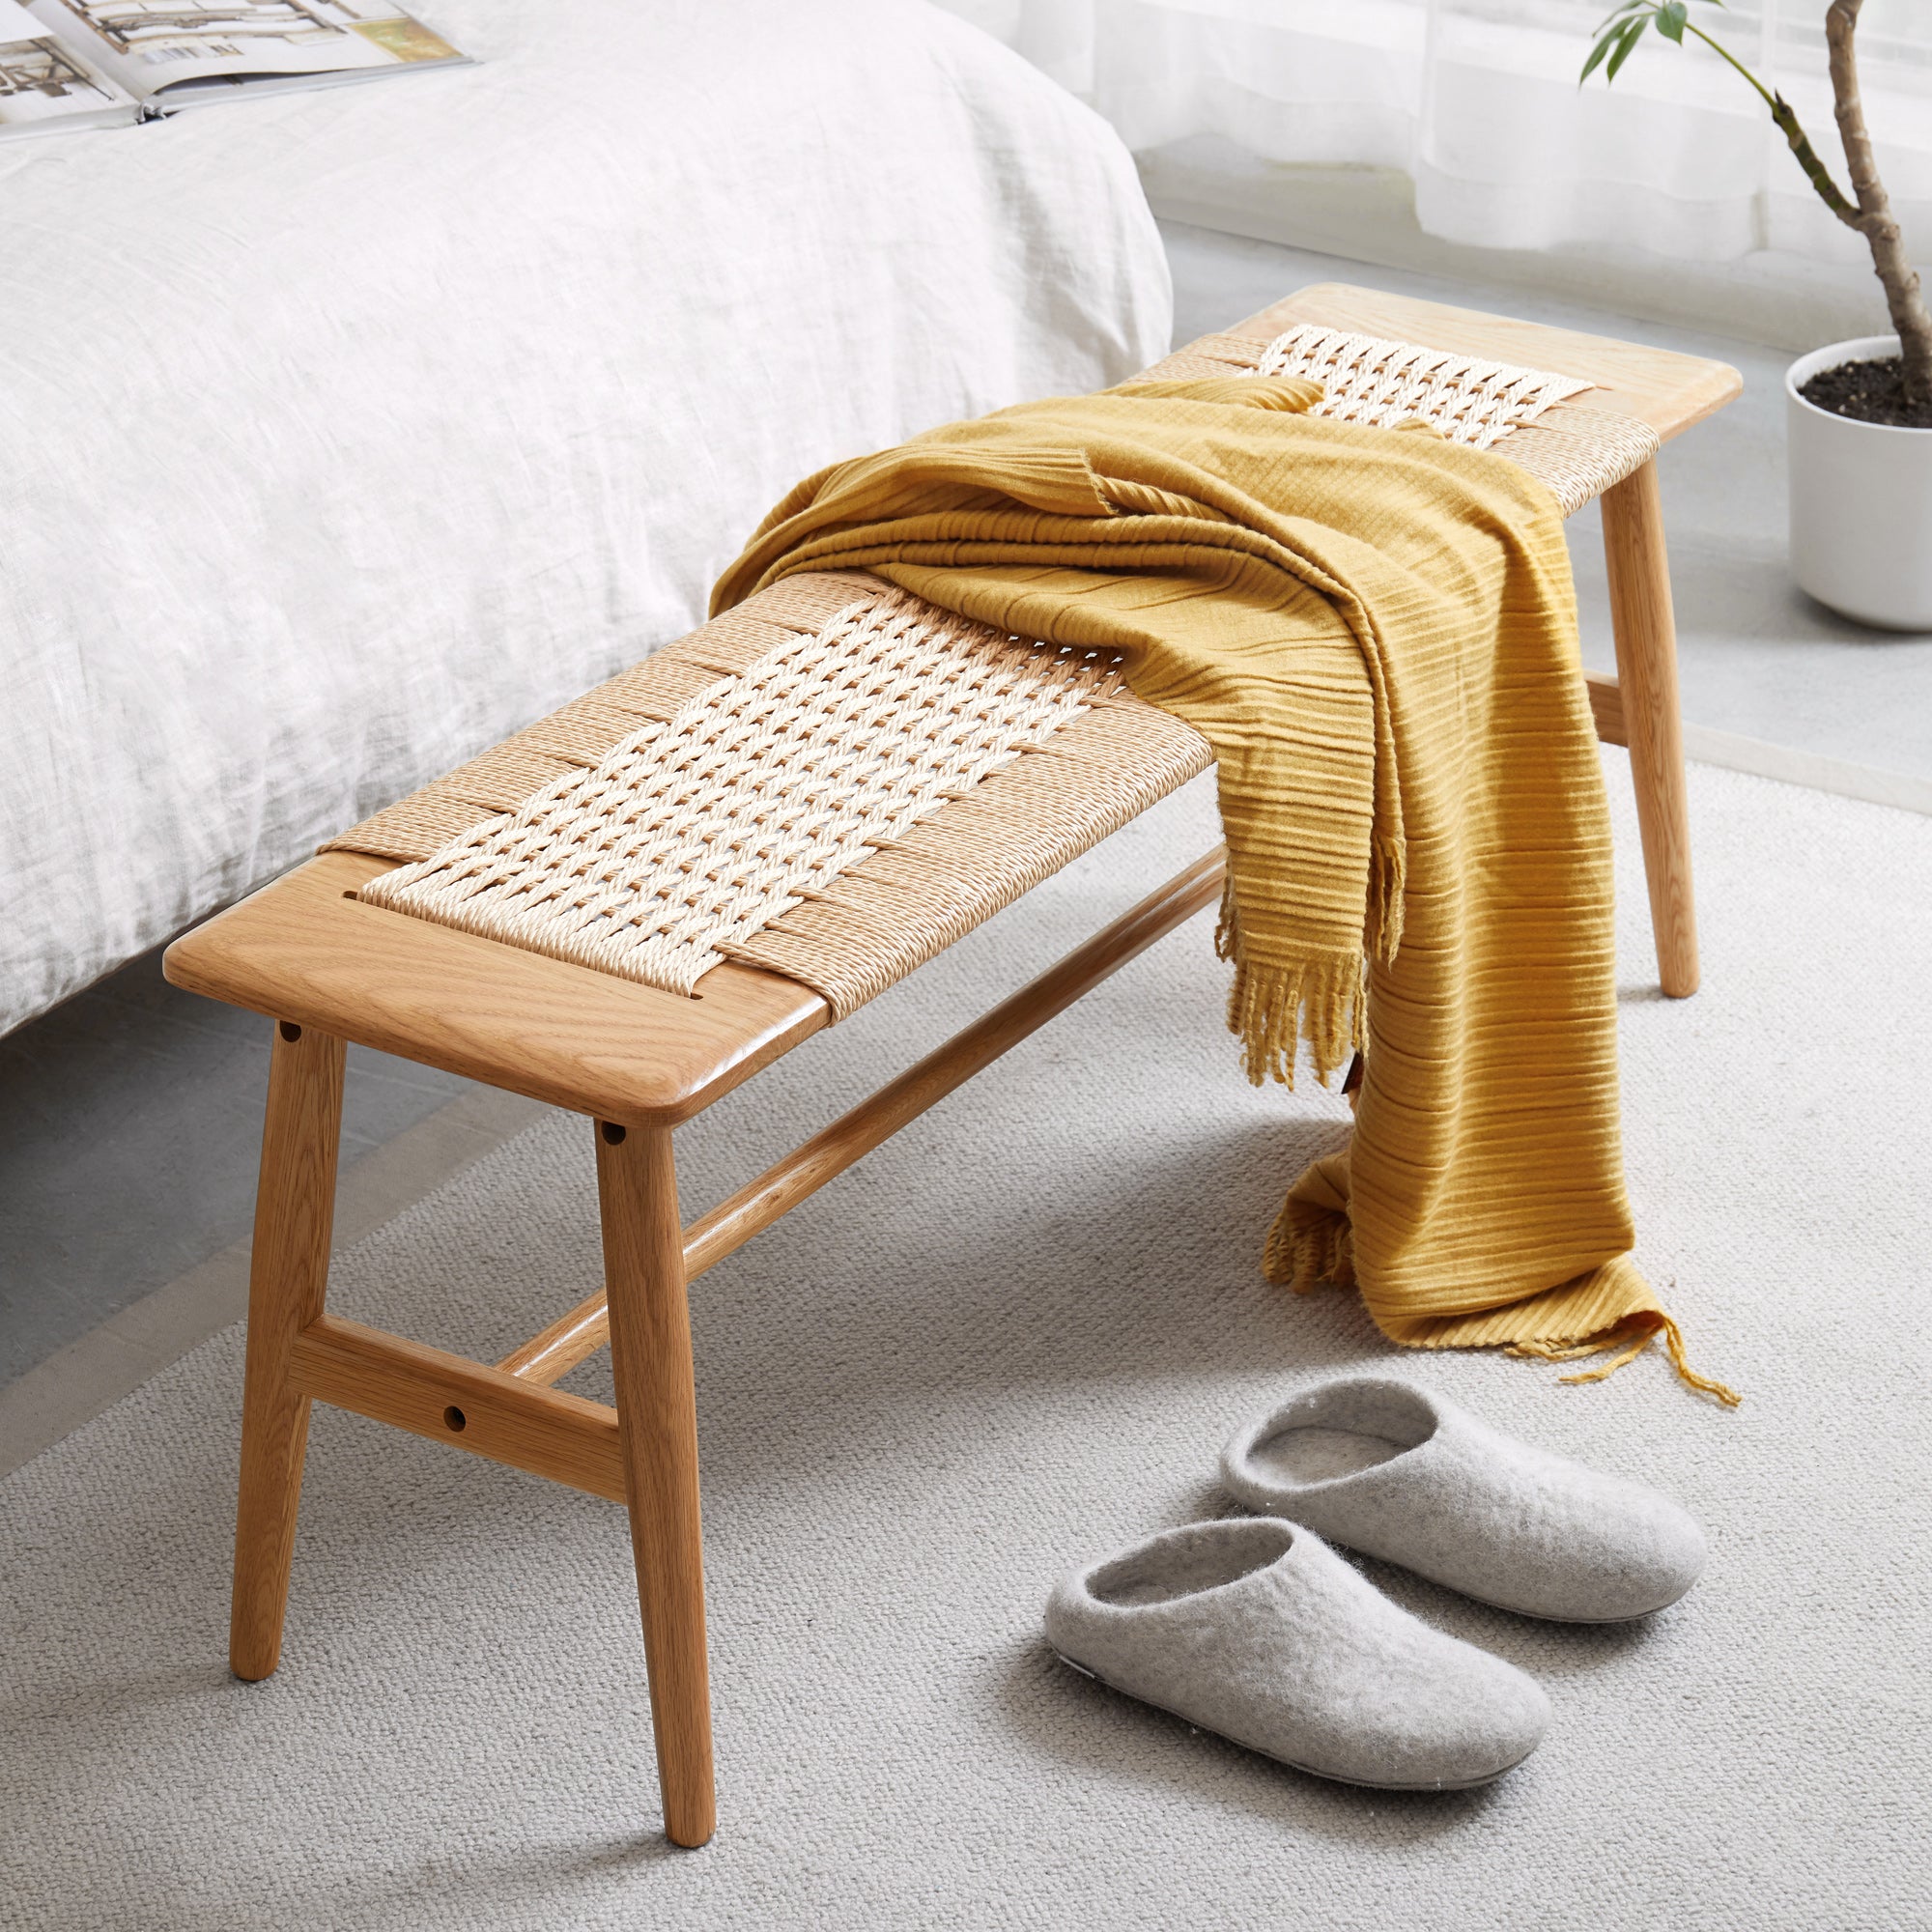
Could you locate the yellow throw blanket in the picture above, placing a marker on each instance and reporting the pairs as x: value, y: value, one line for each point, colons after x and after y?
x: 1377, y: 633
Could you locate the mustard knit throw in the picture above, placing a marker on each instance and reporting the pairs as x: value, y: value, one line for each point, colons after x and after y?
x: 1377, y: 633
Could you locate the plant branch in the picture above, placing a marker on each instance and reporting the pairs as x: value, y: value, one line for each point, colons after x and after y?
x: 1870, y: 215
x: 1628, y: 23
x: 1800, y: 142
x: 1875, y: 219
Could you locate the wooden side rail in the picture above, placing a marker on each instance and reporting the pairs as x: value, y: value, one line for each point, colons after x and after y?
x: 577, y: 1335
x: 1607, y: 707
x: 449, y: 1400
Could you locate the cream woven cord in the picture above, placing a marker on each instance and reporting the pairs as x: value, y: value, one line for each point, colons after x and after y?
x: 1366, y: 379
x: 1527, y: 414
x: 690, y: 836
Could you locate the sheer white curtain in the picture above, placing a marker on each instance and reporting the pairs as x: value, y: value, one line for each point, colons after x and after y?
x: 1477, y: 100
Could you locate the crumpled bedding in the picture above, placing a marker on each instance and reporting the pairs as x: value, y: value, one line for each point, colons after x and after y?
x: 343, y: 433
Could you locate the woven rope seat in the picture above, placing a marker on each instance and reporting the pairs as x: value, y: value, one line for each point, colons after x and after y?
x: 835, y: 781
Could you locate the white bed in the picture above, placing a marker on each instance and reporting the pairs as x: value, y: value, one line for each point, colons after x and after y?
x: 342, y: 433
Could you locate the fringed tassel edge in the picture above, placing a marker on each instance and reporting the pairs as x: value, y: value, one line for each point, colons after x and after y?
x: 1318, y: 1247
x: 1273, y: 1008
x: 1381, y: 927
x: 1644, y: 1328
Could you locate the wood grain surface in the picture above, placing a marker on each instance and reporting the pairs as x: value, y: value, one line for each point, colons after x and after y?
x: 656, y: 1411
x: 301, y: 949
x: 464, y: 1404
x: 1646, y: 637
x: 288, y: 1282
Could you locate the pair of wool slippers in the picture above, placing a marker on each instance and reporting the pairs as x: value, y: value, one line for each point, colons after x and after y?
x: 1255, y: 1629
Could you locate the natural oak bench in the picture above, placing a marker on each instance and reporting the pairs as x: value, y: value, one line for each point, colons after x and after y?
x: 484, y: 927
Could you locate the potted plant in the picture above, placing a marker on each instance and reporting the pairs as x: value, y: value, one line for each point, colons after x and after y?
x: 1859, y: 412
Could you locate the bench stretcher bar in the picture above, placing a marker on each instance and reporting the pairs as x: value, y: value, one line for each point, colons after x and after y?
x: 510, y: 1414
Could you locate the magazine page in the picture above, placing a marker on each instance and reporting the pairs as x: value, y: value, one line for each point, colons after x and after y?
x: 46, y: 85
x: 147, y: 45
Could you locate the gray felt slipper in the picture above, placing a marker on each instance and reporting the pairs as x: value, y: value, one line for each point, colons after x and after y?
x: 1399, y: 1473
x: 1258, y: 1630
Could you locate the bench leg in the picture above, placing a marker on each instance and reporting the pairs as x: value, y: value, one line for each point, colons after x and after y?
x: 657, y: 1426
x: 294, y: 1205
x: 1646, y: 638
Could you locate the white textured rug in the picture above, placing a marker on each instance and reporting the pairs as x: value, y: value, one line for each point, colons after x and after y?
x: 1014, y: 1336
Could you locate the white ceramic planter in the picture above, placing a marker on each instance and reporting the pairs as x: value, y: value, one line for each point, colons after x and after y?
x: 1861, y: 502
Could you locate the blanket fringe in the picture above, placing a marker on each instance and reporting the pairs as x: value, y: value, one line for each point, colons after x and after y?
x: 1638, y: 1331
x: 1382, y: 925
x: 1273, y: 1008
x: 1304, y: 1249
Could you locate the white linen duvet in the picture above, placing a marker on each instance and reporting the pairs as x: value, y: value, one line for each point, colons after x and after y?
x: 343, y: 433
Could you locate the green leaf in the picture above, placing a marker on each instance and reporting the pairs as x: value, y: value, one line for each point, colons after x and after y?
x: 1669, y: 21
x: 1617, y: 31
x: 1628, y: 36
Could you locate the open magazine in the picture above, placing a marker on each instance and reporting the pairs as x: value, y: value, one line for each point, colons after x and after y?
x: 98, y: 63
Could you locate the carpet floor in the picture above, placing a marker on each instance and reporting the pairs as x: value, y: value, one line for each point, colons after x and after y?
x: 1013, y: 1337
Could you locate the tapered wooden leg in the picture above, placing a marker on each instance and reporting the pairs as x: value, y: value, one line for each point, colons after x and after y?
x: 288, y: 1279
x: 657, y: 1427
x: 1646, y: 638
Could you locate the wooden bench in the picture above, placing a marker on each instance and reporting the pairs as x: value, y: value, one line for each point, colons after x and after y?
x: 328, y: 966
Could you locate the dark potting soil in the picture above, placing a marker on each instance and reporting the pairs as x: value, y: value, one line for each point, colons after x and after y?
x: 1872, y: 392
